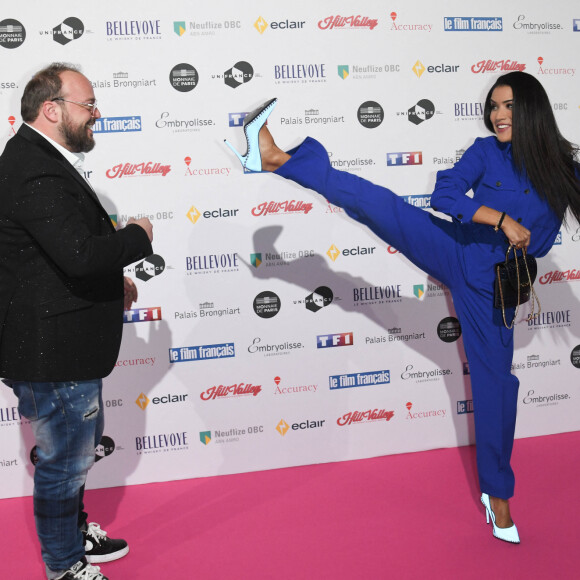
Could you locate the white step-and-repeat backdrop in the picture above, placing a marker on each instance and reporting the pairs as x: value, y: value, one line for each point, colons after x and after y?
x: 271, y: 330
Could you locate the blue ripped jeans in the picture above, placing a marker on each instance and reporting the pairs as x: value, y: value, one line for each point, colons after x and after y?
x: 67, y: 421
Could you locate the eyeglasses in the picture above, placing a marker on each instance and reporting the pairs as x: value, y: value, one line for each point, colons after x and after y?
x: 92, y: 107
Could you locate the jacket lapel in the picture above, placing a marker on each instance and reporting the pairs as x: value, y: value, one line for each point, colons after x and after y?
x: 31, y: 135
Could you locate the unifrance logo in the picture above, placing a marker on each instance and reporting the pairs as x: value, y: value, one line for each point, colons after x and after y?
x: 318, y: 299
x: 144, y: 169
x: 142, y: 314
x: 348, y: 22
x: 405, y: 158
x: 202, y: 352
x: 422, y: 111
x: 349, y: 381
x: 12, y: 33
x: 242, y: 72
x: 117, y: 124
x: 332, y: 340
x: 360, y: 417
x: 556, y: 276
x: 289, y: 207
x: 70, y: 29
x: 105, y: 448
x: 231, y: 391
x: 472, y: 24
x: 150, y: 267
x: 496, y: 66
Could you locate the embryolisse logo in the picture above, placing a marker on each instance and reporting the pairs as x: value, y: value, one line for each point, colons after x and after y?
x: 423, y: 376
x: 259, y: 347
x: 544, y: 400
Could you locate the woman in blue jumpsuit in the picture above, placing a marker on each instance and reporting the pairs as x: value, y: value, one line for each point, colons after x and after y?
x: 506, y: 209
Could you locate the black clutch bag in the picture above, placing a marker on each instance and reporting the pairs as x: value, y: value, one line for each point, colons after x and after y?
x: 514, y: 283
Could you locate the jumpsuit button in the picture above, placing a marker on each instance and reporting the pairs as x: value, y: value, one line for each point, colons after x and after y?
x: 460, y: 216
x: 498, y: 183
x: 519, y: 220
x: 526, y: 191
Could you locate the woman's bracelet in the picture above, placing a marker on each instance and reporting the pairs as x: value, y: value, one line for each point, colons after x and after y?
x: 500, y: 221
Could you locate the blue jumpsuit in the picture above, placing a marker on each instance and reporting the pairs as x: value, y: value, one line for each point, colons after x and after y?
x: 461, y: 254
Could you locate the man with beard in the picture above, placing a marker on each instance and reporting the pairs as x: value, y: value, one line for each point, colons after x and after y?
x: 62, y: 294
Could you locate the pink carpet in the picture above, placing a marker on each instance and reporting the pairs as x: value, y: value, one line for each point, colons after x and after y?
x: 403, y: 516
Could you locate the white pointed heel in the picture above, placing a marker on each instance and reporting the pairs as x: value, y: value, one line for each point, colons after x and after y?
x: 253, y: 123
x: 506, y: 534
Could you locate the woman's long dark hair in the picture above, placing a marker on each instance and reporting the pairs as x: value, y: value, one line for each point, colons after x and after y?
x: 538, y: 149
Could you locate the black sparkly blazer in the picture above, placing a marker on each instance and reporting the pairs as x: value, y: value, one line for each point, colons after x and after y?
x: 61, y: 268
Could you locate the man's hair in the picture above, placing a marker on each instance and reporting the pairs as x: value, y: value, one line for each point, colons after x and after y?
x: 43, y: 86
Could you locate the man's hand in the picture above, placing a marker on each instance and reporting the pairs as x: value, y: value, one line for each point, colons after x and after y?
x: 130, y: 292
x: 145, y: 224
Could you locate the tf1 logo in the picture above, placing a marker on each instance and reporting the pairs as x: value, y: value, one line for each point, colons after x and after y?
x: 142, y: 314
x: 409, y: 158
x: 330, y: 340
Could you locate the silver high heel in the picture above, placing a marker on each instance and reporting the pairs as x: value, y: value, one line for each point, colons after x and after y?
x: 253, y: 123
x: 506, y: 534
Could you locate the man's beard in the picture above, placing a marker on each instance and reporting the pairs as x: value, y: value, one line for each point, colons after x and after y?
x: 77, y: 139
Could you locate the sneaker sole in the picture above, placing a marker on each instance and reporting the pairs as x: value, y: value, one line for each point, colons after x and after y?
x: 107, y: 557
